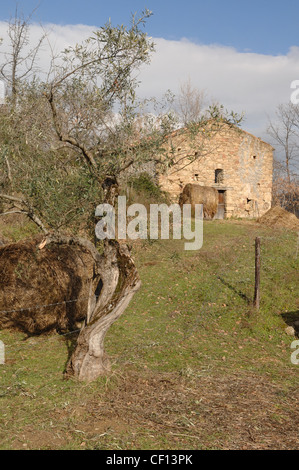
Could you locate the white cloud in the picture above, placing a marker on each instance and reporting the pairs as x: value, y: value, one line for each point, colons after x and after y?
x: 249, y: 82
x: 58, y: 38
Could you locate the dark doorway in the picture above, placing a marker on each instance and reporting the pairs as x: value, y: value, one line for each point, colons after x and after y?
x: 221, y: 205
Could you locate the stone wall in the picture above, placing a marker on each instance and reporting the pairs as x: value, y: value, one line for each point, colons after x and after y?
x: 244, y: 163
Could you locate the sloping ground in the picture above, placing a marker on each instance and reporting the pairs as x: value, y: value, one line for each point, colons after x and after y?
x: 279, y: 217
x: 235, y: 412
x: 194, y: 367
x: 221, y: 412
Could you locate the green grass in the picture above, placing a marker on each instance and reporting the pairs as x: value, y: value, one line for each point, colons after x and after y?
x: 16, y: 230
x: 192, y: 321
x: 190, y: 301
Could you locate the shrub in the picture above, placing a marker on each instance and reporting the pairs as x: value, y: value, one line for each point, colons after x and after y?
x: 144, y: 185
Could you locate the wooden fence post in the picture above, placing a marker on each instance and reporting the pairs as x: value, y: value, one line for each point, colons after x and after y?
x: 256, y: 301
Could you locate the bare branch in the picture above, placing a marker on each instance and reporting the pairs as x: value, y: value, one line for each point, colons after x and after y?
x: 8, y: 169
x: 87, y: 155
x: 25, y: 207
x: 19, y: 62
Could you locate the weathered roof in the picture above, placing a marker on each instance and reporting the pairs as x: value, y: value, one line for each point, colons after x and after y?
x: 181, y: 130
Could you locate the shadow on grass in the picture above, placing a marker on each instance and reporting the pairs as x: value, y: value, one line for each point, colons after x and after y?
x: 292, y: 319
x: 236, y: 291
x: 70, y: 342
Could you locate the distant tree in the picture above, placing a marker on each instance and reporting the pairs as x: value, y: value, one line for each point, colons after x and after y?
x: 284, y: 131
x: 20, y: 62
x: 190, y: 103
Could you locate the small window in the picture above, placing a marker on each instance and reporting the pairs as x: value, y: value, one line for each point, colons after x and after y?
x: 254, y: 157
x: 219, y: 176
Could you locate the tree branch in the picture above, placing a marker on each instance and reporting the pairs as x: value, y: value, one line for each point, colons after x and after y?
x: 65, y: 138
x: 25, y: 208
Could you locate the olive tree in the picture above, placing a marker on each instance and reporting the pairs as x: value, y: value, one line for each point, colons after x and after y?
x: 86, y: 109
x: 90, y: 83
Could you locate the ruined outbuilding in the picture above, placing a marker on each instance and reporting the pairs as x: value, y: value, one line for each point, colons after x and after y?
x: 237, y: 164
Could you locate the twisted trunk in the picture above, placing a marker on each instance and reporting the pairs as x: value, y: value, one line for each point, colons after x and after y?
x: 114, y: 284
x: 120, y: 281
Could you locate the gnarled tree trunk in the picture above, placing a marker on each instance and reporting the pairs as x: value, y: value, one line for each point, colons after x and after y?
x: 120, y: 282
x: 116, y: 275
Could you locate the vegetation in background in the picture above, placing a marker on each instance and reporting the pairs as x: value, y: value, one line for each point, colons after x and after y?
x: 284, y: 133
x: 144, y: 189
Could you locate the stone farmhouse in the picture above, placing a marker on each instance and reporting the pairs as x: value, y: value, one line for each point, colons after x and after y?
x: 236, y: 163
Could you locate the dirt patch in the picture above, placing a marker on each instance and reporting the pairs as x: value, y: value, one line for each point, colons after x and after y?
x: 278, y: 217
x: 233, y: 412
x: 39, y: 288
x: 38, y: 439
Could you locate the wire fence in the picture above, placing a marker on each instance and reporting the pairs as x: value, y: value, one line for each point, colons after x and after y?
x: 234, y: 261
x: 39, y: 307
x: 21, y: 344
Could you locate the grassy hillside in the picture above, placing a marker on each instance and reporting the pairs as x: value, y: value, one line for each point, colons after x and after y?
x: 194, y: 366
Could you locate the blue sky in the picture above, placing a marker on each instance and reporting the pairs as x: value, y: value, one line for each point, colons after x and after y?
x: 243, y: 54
x: 261, y: 26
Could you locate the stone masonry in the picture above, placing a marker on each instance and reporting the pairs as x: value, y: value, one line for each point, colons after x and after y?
x: 236, y: 163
